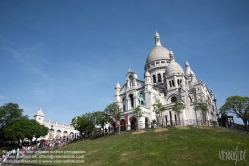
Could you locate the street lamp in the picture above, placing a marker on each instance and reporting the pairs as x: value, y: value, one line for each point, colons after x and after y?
x: 51, y: 129
x: 195, y: 114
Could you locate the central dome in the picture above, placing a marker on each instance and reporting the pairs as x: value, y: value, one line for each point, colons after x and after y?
x: 158, y: 52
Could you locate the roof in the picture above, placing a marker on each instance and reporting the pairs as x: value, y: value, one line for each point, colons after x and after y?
x: 158, y: 52
x: 173, y: 68
x: 39, y: 113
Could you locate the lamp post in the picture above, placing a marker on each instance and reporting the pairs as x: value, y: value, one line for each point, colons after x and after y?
x: 51, y: 129
x: 166, y: 121
x: 94, y: 122
x: 194, y: 91
x: 196, y: 114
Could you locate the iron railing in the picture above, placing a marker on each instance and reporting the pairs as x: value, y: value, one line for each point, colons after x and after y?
x: 234, y: 126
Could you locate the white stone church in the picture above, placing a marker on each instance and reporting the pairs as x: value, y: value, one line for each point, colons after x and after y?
x: 164, y: 81
x: 56, y: 129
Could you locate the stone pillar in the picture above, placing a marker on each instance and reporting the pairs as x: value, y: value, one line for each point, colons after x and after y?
x: 128, y: 127
x: 175, y: 81
x: 134, y: 102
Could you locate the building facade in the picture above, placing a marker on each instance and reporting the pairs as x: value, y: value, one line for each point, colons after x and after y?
x: 165, y: 81
x: 56, y: 129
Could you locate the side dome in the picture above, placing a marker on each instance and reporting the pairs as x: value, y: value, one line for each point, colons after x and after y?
x: 157, y: 53
x: 147, y: 74
x: 39, y: 113
x: 173, y: 68
x: 117, y: 85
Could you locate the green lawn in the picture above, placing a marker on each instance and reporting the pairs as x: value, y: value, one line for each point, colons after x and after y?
x: 176, y: 146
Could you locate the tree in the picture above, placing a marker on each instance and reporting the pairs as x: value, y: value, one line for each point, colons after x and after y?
x: 101, y: 118
x: 40, y: 130
x: 25, y: 128
x: 138, y: 113
x: 114, y: 111
x: 158, y: 107
x: 178, y: 107
x: 238, y: 105
x: 83, y: 123
x: 9, y: 113
x: 203, y: 108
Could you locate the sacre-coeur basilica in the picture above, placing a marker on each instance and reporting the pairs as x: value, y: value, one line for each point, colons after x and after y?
x: 165, y: 81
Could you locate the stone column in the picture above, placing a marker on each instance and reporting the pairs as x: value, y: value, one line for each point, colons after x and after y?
x: 175, y: 81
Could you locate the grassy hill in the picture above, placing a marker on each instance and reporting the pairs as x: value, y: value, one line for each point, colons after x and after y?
x: 171, y: 146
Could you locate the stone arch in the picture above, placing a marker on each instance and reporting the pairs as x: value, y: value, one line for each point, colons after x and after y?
x: 133, y: 122
x: 170, y: 118
x: 159, y: 77
x: 131, y: 80
x: 147, y: 122
x: 58, y: 133
x: 51, y: 133
x: 71, y: 135
x: 65, y: 133
x: 122, y: 125
x: 123, y: 103
x: 131, y: 97
x: 154, y: 78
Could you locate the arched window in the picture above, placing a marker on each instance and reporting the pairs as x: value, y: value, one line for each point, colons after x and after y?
x: 179, y: 81
x: 123, y: 101
x: 58, y: 133
x: 131, y: 100
x: 170, y: 84
x: 65, y: 133
x: 154, y: 79
x: 131, y: 81
x: 164, y: 77
x: 173, y: 83
x: 159, y: 77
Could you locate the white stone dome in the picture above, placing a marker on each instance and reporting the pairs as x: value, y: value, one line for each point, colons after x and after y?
x: 173, y: 68
x: 39, y: 113
x: 117, y: 85
x: 147, y: 74
x: 158, y: 53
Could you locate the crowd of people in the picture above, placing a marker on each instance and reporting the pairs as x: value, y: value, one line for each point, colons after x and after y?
x: 16, y: 153
x: 55, y: 143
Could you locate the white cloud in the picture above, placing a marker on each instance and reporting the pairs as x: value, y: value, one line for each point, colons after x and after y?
x: 3, y: 97
x: 5, y: 41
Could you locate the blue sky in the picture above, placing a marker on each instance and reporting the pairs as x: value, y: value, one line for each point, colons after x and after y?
x: 67, y: 56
